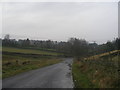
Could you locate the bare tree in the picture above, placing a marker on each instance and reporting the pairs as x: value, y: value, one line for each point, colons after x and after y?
x: 79, y: 47
x: 7, y: 37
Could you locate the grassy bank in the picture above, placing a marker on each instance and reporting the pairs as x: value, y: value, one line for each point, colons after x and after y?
x: 13, y: 65
x: 98, y: 73
x: 80, y: 79
x: 16, y: 60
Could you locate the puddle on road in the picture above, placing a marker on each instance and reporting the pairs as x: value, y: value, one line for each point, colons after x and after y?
x: 68, y: 75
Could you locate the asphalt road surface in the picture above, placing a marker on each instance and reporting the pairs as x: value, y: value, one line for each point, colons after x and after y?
x: 54, y: 76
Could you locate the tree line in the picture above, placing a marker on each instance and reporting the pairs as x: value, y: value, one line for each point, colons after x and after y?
x: 73, y: 47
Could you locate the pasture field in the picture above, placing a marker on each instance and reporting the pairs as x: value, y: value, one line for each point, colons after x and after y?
x: 16, y: 60
x: 29, y: 51
x: 102, y: 72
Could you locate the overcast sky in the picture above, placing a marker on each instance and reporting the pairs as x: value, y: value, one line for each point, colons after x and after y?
x: 60, y: 21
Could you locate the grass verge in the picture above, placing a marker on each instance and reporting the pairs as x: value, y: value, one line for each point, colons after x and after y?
x: 80, y: 79
x: 12, y: 65
x: 99, y: 73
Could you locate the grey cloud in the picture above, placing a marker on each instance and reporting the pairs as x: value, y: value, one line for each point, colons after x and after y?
x: 59, y: 21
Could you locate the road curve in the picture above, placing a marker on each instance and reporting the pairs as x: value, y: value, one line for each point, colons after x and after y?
x: 54, y: 76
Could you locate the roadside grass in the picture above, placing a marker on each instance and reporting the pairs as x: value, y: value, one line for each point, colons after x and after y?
x: 97, y: 73
x: 80, y: 79
x: 29, y: 51
x: 12, y: 65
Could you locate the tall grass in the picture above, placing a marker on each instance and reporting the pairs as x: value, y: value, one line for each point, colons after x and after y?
x: 12, y: 65
x: 99, y: 72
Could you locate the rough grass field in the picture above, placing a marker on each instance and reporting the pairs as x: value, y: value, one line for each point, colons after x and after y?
x: 28, y: 51
x: 25, y: 60
x: 13, y: 65
x: 102, y: 72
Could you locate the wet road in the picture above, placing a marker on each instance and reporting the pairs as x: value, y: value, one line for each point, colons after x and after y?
x: 54, y: 76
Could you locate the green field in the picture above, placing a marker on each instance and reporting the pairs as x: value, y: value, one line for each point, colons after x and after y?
x: 25, y: 60
x: 28, y: 51
x: 99, y: 73
x: 16, y: 65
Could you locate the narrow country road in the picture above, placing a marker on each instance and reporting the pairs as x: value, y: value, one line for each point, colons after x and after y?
x: 54, y: 76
